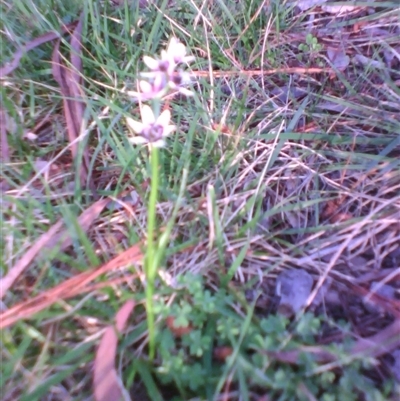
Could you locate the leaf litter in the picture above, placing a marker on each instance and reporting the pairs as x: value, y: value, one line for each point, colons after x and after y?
x: 365, y: 290
x: 338, y: 58
x: 107, y: 385
x: 8, y: 68
x: 70, y: 82
x: 76, y: 285
x: 50, y: 239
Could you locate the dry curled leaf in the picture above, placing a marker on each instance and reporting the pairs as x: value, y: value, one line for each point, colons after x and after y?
x: 74, y: 286
x: 48, y: 240
x: 47, y: 37
x: 70, y: 82
x: 106, y: 382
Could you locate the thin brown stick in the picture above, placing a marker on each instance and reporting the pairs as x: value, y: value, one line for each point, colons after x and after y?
x: 291, y: 70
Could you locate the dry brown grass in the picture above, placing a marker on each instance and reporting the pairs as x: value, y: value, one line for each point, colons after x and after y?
x: 303, y: 160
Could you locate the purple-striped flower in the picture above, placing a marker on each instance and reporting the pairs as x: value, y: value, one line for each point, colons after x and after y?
x: 163, y: 74
x: 151, y: 130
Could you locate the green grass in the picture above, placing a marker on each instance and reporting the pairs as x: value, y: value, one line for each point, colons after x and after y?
x: 258, y: 174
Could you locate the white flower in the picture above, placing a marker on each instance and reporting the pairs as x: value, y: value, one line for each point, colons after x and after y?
x: 177, y: 81
x: 151, y: 130
x: 176, y: 53
x: 154, y: 89
x: 158, y: 86
x: 170, y: 58
x: 162, y: 65
x: 163, y: 73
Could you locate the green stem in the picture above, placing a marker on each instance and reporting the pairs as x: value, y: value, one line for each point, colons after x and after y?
x: 151, y: 258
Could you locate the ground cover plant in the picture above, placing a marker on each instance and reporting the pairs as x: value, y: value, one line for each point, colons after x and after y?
x: 200, y: 200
